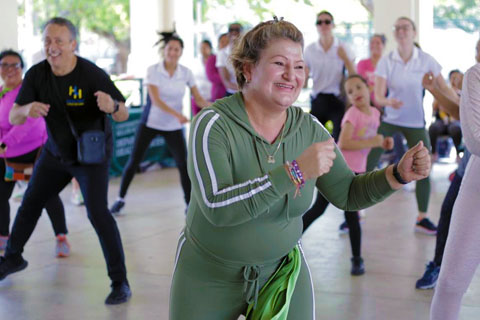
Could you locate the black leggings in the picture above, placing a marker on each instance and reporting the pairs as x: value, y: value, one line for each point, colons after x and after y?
x: 176, y: 145
x: 351, y: 217
x: 54, y: 206
x: 328, y: 107
x: 439, y: 128
x: 445, y: 217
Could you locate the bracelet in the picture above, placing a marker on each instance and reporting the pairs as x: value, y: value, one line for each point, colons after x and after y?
x: 295, y: 175
x: 397, y: 175
x: 298, y: 173
x: 116, y: 106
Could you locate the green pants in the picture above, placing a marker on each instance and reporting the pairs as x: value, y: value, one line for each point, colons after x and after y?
x: 413, y: 136
x: 205, y: 287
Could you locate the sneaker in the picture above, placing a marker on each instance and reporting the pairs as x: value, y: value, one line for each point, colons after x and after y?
x: 451, y: 176
x: 62, y: 248
x: 426, y: 226
x: 117, y: 207
x: 343, y: 228
x: 429, y: 278
x: 8, y: 266
x: 3, y: 242
x: 358, y: 267
x: 77, y: 199
x: 120, y: 293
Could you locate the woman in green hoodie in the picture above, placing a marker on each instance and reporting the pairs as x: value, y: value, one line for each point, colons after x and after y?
x: 254, y: 162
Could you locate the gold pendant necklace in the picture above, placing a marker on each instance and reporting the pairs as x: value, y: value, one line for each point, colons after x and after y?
x: 271, y: 157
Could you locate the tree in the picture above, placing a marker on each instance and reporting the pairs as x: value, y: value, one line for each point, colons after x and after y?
x: 463, y: 14
x: 109, y: 19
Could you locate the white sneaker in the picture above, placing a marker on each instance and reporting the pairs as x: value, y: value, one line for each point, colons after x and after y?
x: 77, y: 199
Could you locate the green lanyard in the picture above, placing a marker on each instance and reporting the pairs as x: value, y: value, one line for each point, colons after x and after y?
x: 4, y: 92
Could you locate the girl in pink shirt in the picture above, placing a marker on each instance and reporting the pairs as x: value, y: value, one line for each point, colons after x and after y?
x: 359, y: 126
x: 357, y: 136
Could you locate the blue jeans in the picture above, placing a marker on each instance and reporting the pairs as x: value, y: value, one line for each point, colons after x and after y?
x: 50, y: 176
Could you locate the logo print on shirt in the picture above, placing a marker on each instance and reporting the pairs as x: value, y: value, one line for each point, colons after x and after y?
x: 75, y: 95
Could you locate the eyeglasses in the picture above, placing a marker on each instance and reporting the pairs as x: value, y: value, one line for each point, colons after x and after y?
x: 320, y: 22
x: 234, y: 29
x: 6, y: 66
x: 404, y: 28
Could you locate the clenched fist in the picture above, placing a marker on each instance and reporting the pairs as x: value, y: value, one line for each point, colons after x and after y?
x: 317, y: 159
x: 38, y: 109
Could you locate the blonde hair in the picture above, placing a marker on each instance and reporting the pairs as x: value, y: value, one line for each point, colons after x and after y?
x: 251, y: 45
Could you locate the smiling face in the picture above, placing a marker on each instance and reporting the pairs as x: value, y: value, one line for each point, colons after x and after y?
x: 376, y: 46
x: 173, y: 51
x: 59, y: 46
x: 404, y: 32
x: 278, y: 77
x: 357, y: 92
x: 11, y: 71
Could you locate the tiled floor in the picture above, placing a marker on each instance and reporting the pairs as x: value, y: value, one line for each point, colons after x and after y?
x: 75, y: 287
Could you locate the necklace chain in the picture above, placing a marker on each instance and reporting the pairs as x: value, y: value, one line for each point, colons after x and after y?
x: 271, y: 157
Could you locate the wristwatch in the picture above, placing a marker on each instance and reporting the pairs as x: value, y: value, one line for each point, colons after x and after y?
x: 116, y: 106
x: 3, y: 145
x: 397, y: 175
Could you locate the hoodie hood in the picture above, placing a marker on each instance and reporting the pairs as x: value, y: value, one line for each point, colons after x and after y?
x: 233, y: 107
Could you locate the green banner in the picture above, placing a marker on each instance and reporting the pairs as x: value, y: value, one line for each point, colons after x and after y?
x: 123, y: 138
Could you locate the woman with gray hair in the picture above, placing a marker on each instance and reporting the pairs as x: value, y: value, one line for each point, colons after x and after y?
x: 254, y: 161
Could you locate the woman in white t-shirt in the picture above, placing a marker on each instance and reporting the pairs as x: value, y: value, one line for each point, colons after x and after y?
x: 166, y: 82
x: 401, y: 71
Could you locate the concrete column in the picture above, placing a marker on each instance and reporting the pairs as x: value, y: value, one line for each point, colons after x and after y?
x: 8, y: 25
x: 149, y: 16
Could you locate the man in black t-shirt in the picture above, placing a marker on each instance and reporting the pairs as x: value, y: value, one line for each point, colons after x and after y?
x: 65, y: 83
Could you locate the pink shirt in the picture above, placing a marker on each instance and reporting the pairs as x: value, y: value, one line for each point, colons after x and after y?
x: 364, y: 127
x: 23, y: 138
x: 366, y: 69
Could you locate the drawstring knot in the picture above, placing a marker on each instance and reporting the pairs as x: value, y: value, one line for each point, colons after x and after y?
x: 251, y: 285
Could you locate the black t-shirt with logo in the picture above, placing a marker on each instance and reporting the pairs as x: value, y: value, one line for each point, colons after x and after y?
x: 73, y: 92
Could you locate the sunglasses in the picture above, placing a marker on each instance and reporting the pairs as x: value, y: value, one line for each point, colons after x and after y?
x: 11, y: 65
x: 320, y: 22
x: 234, y: 29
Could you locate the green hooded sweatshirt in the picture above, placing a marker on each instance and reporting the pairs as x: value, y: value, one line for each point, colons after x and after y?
x: 243, y: 208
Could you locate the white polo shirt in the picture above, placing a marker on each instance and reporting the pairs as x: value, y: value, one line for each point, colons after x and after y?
x: 326, y: 67
x: 404, y: 82
x: 171, y: 91
x: 224, y: 61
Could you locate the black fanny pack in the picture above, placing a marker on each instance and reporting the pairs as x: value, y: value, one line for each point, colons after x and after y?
x: 91, y: 147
